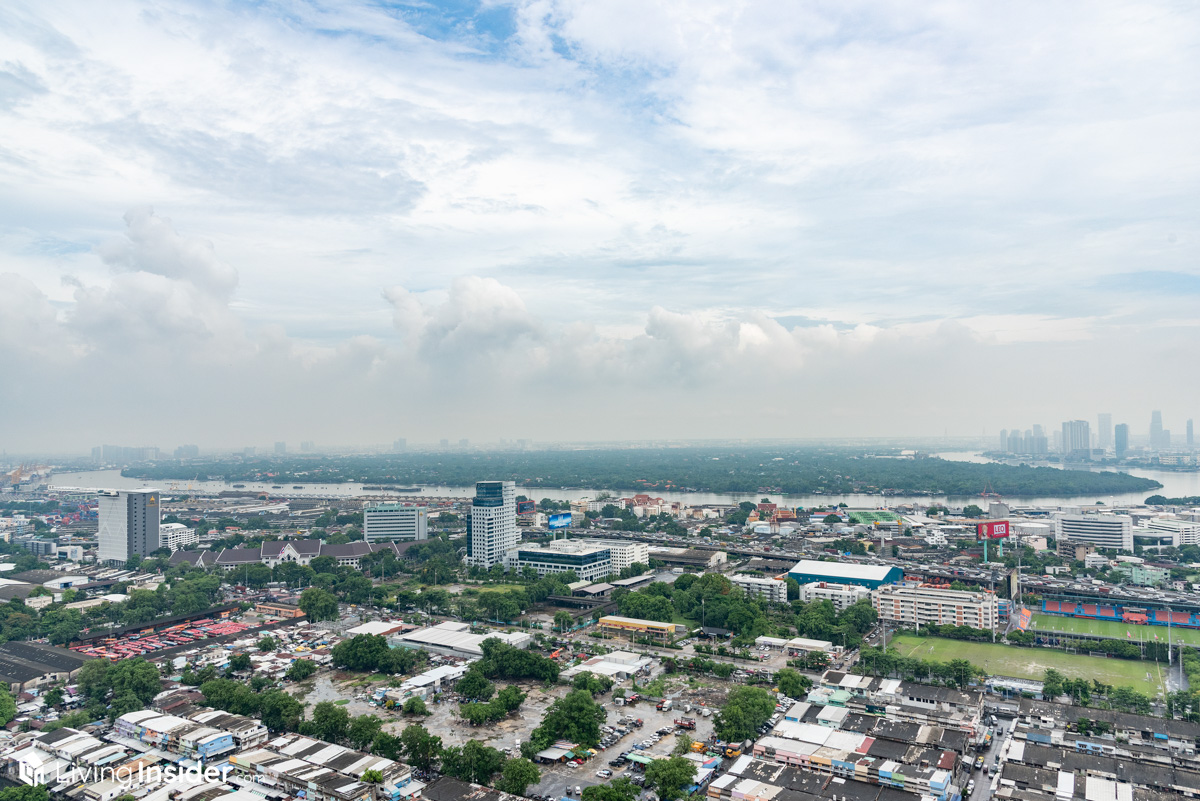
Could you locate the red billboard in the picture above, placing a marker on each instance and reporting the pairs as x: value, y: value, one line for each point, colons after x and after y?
x: 526, y: 507
x: 992, y: 530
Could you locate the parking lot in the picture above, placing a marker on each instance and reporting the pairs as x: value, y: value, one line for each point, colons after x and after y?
x: 558, y: 778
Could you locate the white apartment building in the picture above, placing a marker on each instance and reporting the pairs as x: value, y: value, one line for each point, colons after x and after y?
x: 840, y: 595
x: 1183, y: 532
x: 385, y: 522
x: 910, y: 605
x: 493, y: 523
x: 1103, y: 531
x: 773, y: 590
x: 623, y: 553
x: 176, y: 536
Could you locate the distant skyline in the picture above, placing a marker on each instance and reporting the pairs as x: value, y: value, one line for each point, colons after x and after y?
x: 351, y: 221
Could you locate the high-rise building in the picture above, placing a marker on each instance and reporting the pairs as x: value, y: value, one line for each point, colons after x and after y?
x: 400, y: 445
x: 1121, y: 439
x: 128, y: 525
x: 280, y: 448
x: 187, y: 452
x: 493, y: 522
x: 1190, y: 440
x: 1104, y: 431
x: 307, y: 446
x: 395, y: 521
x: 1004, y: 440
x: 1156, y: 430
x: 1076, y: 439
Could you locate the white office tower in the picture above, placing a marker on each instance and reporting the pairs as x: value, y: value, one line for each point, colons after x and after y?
x: 493, y: 522
x: 128, y: 524
x: 387, y: 522
x: 1103, y: 531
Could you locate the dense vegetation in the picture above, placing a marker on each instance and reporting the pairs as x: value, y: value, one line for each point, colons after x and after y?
x: 794, y: 470
x: 1161, y: 500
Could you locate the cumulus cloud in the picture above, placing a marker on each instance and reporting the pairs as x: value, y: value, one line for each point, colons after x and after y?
x: 152, y: 245
x: 726, y: 219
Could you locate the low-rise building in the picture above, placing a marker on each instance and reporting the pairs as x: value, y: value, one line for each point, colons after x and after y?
x: 588, y: 561
x: 769, y: 589
x: 840, y: 595
x: 638, y: 629
x: 176, y: 536
x: 911, y: 605
x: 455, y: 639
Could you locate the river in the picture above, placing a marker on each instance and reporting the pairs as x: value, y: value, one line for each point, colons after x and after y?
x: 1175, y: 484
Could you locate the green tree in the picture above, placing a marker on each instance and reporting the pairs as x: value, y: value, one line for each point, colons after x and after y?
x: 415, y: 706
x: 791, y: 683
x: 318, y: 604
x: 421, y: 749
x: 616, y: 790
x: 971, y: 510
x: 267, y: 643
x: 387, y: 746
x: 301, y: 669
x: 280, y: 711
x: 670, y: 777
x: 1052, y: 684
x: 475, y: 686
x: 831, y: 520
x: 8, y: 706
x: 683, y: 745
x: 575, y: 718
x: 473, y: 762
x: 517, y: 776
x: 23, y: 792
x: 363, y: 652
x: 745, y: 710
x: 562, y: 620
x: 363, y: 730
x: 330, y: 722
x: 239, y: 662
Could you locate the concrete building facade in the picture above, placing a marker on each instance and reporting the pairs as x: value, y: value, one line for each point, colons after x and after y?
x: 840, y: 595
x: 395, y: 521
x: 913, y: 606
x: 773, y: 590
x: 493, y: 523
x: 1103, y: 531
x: 128, y: 524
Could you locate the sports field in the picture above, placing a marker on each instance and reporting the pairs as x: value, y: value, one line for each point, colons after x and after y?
x: 1111, y: 628
x: 1032, y: 663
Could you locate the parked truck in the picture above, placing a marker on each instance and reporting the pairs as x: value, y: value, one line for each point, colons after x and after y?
x: 686, y: 723
x: 664, y: 705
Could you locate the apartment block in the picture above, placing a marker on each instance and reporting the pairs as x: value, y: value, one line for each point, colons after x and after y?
x: 912, y: 606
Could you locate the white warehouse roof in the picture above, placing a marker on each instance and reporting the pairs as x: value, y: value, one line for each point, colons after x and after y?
x: 848, y: 570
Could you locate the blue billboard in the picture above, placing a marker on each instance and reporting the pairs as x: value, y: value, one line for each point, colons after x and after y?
x: 560, y: 520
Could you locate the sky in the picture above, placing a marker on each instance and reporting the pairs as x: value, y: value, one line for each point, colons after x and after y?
x: 347, y: 222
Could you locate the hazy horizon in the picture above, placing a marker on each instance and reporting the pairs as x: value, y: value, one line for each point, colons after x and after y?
x: 352, y: 222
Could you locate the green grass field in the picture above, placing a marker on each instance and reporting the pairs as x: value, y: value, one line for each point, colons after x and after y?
x: 1032, y: 663
x: 1109, y: 628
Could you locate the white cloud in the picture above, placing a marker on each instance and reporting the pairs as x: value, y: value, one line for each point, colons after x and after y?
x: 664, y: 203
